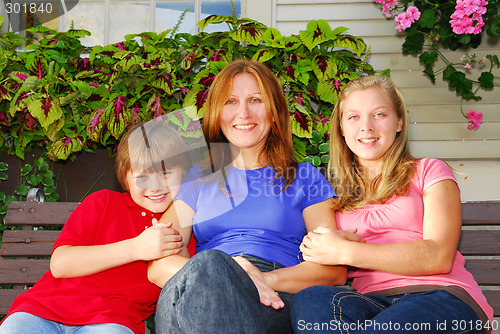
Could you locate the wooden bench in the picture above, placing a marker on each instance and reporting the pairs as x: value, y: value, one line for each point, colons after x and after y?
x: 24, y: 253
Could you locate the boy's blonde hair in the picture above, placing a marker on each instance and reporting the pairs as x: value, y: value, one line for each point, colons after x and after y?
x: 150, y: 147
x: 344, y: 172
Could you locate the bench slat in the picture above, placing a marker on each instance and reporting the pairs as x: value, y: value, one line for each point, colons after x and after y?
x: 39, y: 214
x: 480, y: 213
x: 7, y: 296
x: 22, y: 271
x: 493, y: 297
x: 480, y: 242
x: 485, y: 271
x: 28, y: 243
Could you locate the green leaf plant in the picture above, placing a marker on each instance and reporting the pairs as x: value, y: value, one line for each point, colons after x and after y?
x: 64, y: 98
x: 433, y: 26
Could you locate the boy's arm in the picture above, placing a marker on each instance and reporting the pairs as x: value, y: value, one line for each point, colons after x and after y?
x: 155, y: 242
x: 161, y: 270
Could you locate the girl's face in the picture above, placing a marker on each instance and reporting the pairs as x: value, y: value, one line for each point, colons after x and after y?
x: 244, y: 119
x: 369, y: 125
x: 154, y: 191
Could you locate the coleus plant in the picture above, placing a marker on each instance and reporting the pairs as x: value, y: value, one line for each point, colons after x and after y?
x: 67, y: 98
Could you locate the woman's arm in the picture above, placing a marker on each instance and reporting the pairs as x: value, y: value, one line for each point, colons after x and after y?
x: 432, y: 255
x: 161, y: 270
x: 305, y: 274
x: 158, y: 241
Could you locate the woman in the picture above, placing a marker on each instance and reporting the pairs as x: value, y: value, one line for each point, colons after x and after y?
x: 408, y: 276
x: 259, y: 204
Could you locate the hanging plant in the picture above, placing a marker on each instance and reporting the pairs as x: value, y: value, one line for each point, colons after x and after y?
x: 431, y: 26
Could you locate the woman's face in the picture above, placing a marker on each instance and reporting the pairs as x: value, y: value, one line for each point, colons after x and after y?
x: 369, y: 125
x: 244, y: 119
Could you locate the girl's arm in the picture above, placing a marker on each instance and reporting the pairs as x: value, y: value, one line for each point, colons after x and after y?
x: 306, y: 274
x: 432, y: 255
x: 158, y: 241
x: 161, y: 270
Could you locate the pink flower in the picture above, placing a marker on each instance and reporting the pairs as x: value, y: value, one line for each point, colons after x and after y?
x: 467, y: 66
x: 388, y: 6
x: 475, y: 119
x: 467, y: 18
x: 405, y: 19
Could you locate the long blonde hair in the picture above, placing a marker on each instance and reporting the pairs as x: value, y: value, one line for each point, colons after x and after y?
x: 278, y: 150
x: 348, y: 179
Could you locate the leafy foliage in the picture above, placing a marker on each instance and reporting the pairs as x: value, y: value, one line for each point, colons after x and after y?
x: 55, y: 97
x: 433, y: 32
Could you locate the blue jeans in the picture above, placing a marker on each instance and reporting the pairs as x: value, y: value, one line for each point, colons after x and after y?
x: 26, y: 323
x: 327, y: 309
x: 212, y: 294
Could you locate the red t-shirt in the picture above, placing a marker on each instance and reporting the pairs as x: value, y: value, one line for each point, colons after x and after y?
x: 121, y: 295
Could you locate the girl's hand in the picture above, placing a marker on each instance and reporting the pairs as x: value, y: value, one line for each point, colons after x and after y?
x: 157, y: 241
x: 268, y: 296
x: 328, y: 246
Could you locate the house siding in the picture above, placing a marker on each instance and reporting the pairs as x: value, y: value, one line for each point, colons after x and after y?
x: 437, y: 128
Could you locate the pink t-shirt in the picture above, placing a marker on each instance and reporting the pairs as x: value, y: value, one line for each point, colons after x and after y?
x: 400, y: 220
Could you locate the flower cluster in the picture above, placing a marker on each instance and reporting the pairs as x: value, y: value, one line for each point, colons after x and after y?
x: 475, y: 119
x: 468, y: 17
x: 388, y: 7
x: 405, y: 19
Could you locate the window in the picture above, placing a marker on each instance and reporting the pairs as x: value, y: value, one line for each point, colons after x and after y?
x: 110, y: 20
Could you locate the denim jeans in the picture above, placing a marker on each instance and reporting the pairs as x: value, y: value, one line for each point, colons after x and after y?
x: 212, y: 294
x: 26, y: 323
x: 327, y: 309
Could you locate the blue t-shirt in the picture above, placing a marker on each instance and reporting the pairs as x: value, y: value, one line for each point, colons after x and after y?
x: 259, y: 218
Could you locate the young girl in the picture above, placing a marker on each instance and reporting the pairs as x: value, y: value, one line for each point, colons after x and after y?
x: 98, y: 281
x: 408, y: 276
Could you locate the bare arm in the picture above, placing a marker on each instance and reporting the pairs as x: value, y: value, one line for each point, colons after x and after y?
x: 434, y: 254
x: 306, y: 274
x: 161, y: 270
x: 75, y: 261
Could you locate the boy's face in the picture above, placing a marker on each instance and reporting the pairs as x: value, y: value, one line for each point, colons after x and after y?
x: 154, y: 191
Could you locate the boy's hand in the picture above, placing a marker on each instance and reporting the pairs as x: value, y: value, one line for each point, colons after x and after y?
x: 157, y: 241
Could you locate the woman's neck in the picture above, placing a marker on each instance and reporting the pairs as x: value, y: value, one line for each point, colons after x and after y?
x: 248, y: 160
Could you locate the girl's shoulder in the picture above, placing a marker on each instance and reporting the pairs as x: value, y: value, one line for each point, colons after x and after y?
x: 431, y: 170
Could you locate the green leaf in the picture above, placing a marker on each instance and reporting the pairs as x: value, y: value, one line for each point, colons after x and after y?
x: 41, y: 164
x: 428, y: 58
x: 33, y: 180
x: 3, y: 176
x: 49, y: 190
x: 427, y: 19
x: 316, y: 138
x: 47, y: 111
x: 317, y: 32
x: 26, y: 169
x: 4, y: 166
x: 64, y: 147
x: 2, y: 194
x: 22, y: 190
x: 493, y: 28
x: 324, y: 148
x: 325, y: 159
x: 486, y: 80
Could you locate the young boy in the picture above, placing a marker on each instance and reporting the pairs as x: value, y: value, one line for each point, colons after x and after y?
x: 98, y: 281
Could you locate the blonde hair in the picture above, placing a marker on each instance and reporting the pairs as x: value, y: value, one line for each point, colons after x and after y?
x: 278, y: 150
x: 344, y: 172
x: 150, y: 148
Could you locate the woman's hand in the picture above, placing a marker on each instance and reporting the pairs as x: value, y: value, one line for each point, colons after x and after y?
x: 328, y: 246
x: 268, y: 296
x: 157, y: 241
